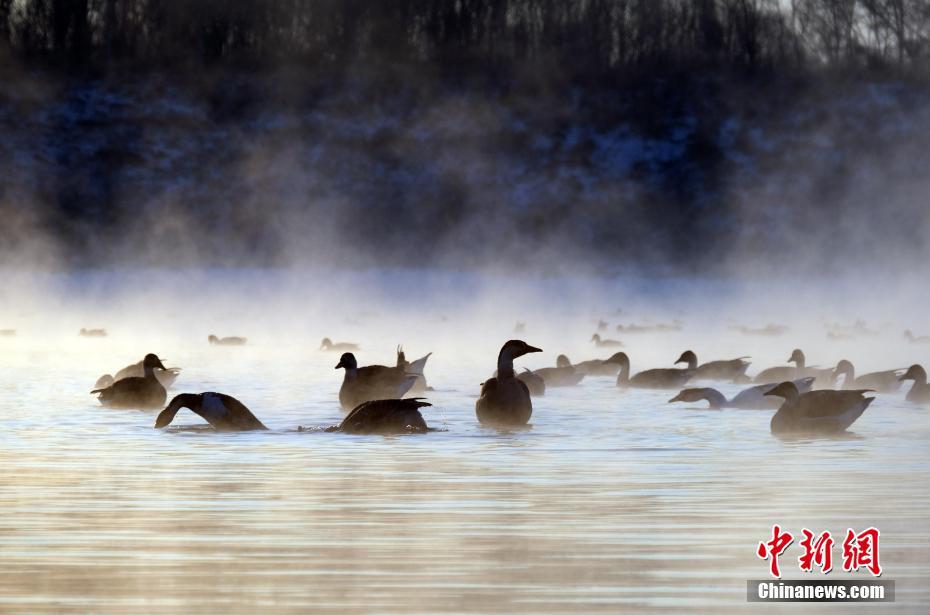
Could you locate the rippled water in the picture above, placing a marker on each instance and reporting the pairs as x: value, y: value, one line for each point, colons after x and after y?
x: 610, y: 502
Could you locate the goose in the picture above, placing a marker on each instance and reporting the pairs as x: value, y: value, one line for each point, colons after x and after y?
x: 328, y: 345
x: 602, y: 326
x: 601, y: 367
x: 817, y: 412
x: 535, y: 383
x: 415, y: 367
x: 224, y: 412
x: 733, y: 369
x: 659, y: 328
x: 774, y: 375
x: 920, y: 392
x: 910, y: 337
x: 165, y: 376
x: 881, y: 382
x: 601, y: 343
x: 505, y: 400
x: 662, y: 378
x: 136, y: 392
x: 7, y: 332
x: 752, y: 398
x: 362, y: 384
x: 386, y: 416
x: 520, y: 327
x: 226, y: 341
x: 769, y: 330
x: 563, y: 374
x: 93, y: 333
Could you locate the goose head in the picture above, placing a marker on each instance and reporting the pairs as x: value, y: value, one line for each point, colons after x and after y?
x: 785, y: 390
x: 689, y: 395
x: 562, y: 361
x: 915, y: 372
x: 326, y: 343
x: 151, y: 361
x: 688, y: 357
x: 797, y: 356
x: 517, y: 348
x: 843, y: 367
x: 191, y: 401
x: 618, y: 358
x: 347, y: 361
x: 596, y: 337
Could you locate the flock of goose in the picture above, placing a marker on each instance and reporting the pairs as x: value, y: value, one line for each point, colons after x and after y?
x: 388, y: 399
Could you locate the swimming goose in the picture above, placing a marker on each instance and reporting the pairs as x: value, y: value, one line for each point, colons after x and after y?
x: 135, y: 392
x: 817, y: 412
x: 520, y: 327
x: 93, y: 333
x: 752, y: 398
x: 659, y: 328
x: 601, y: 343
x: 505, y: 400
x: 224, y: 412
x: 922, y: 339
x: 371, y: 382
x: 662, y: 378
x: 769, y: 330
x: 602, y: 326
x: 7, y: 332
x: 774, y: 375
x: 920, y: 392
x: 563, y: 375
x: 386, y: 416
x: 881, y: 382
x: 328, y: 345
x: 165, y: 376
x: 732, y: 369
x: 415, y: 367
x: 534, y: 382
x: 601, y: 367
x: 226, y: 341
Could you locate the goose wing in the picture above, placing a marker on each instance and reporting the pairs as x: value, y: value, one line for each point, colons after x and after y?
x: 386, y: 416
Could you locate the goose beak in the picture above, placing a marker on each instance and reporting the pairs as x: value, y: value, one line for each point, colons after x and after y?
x: 529, y: 349
x: 677, y: 397
x: 770, y: 391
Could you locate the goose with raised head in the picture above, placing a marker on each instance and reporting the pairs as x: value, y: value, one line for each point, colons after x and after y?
x: 232, y: 340
x: 361, y: 384
x: 753, y: 398
x: 881, y: 382
x: 165, y: 376
x: 223, y: 412
x: 774, y: 375
x: 816, y: 412
x: 504, y: 399
x: 660, y: 378
x: 386, y: 417
x: 136, y: 392
x: 329, y: 346
x: 602, y: 343
x: 563, y: 374
x: 414, y: 367
x: 920, y: 391
x: 732, y: 369
x: 601, y: 367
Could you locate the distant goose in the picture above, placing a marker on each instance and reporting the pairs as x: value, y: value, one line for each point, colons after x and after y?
x: 659, y: 328
x: 520, y: 327
x: 224, y: 412
x: 386, y: 416
x: 753, y: 398
x: 505, y: 400
x: 662, y: 378
x: 144, y: 392
x: 602, y: 325
x: 7, y: 332
x: 922, y: 339
x: 563, y: 375
x: 226, y: 341
x: 816, y: 412
x: 881, y: 382
x: 601, y: 367
x: 328, y: 345
x: 372, y: 382
x: 535, y: 383
x: 920, y: 392
x: 774, y: 375
x: 602, y: 343
x: 165, y: 376
x: 93, y: 333
x: 416, y: 367
x: 770, y: 330
x: 732, y: 369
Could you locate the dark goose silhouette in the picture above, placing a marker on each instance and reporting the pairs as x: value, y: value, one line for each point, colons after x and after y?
x: 563, y: 375
x: 165, y: 376
x: 505, y: 400
x: 227, y: 341
x: 920, y: 391
x: 732, y: 369
x: 328, y: 345
x: 372, y: 382
x: 601, y: 367
x: 136, y: 392
x: 224, y: 412
x: 661, y: 378
x: 753, y: 398
x: 386, y: 416
x: 881, y: 382
x: 816, y: 412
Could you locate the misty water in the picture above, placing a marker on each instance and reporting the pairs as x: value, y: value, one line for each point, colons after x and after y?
x: 610, y: 501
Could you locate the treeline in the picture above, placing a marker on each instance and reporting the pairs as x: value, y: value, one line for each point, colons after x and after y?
x: 578, y: 36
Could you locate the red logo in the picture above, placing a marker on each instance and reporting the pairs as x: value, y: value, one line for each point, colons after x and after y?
x: 859, y: 551
x: 819, y: 552
x: 775, y: 547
